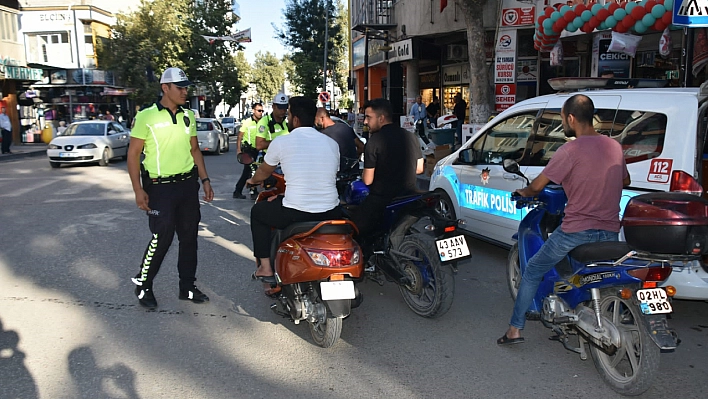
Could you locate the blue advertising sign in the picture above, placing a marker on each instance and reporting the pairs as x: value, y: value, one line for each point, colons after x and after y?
x: 690, y: 13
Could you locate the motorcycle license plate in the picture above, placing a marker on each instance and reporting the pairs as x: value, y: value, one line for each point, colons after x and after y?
x: 654, y: 301
x: 334, y: 290
x: 452, y: 248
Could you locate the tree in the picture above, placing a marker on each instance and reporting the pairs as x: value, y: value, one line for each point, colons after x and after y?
x: 480, y: 93
x: 145, y: 43
x: 304, y: 35
x: 290, y: 74
x: 211, y: 64
x: 237, y: 82
x: 268, y: 75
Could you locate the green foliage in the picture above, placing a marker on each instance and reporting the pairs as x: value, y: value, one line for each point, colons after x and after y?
x: 304, y: 35
x: 162, y: 34
x: 268, y: 75
x: 145, y: 43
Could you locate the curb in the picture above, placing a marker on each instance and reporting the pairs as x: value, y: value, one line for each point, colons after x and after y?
x: 20, y: 155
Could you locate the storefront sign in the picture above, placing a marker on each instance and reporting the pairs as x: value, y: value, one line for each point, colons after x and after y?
x: 19, y: 73
x: 505, y: 57
x: 47, y: 21
x: 401, y: 51
x: 690, y: 13
x: 504, y: 96
x: 376, y: 56
x: 518, y: 16
x: 429, y: 80
x: 456, y: 75
x: 604, y: 61
x: 526, y: 71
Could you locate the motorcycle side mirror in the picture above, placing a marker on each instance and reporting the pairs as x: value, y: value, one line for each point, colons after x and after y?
x: 511, y: 166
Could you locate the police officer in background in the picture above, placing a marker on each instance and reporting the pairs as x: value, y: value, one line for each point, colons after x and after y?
x: 273, y: 125
x: 166, y: 185
x: 247, y: 142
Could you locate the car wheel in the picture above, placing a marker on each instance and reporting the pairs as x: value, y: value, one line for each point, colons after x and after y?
x: 104, y: 158
x: 227, y: 145
x: 217, y: 150
x: 54, y: 165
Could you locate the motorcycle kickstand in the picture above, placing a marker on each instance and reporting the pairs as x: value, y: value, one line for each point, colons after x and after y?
x: 563, y: 339
x: 583, y: 352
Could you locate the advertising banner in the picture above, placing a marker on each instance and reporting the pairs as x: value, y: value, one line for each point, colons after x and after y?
x: 505, y: 57
x: 518, y: 16
x: 504, y: 96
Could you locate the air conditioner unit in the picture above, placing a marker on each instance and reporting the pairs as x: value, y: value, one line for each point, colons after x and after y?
x: 456, y: 52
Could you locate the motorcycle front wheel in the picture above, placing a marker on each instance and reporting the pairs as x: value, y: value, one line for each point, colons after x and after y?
x: 513, y: 271
x: 432, y: 286
x: 326, y: 333
x: 633, y: 367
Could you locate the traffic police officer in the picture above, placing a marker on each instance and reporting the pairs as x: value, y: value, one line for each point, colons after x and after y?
x: 166, y: 185
x: 273, y: 125
x: 247, y: 138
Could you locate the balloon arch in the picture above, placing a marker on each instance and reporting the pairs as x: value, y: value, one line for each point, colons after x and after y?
x: 629, y: 16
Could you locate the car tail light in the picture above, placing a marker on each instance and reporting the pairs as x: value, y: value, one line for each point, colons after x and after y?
x: 651, y: 274
x: 684, y: 183
x: 334, y: 258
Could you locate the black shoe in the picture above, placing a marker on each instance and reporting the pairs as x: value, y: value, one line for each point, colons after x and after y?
x: 145, y: 297
x: 193, y: 294
x: 254, y: 194
x: 239, y: 196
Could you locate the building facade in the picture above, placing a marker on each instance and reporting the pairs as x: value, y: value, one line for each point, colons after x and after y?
x: 420, y: 48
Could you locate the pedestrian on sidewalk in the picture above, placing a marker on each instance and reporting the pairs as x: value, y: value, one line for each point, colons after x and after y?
x: 166, y: 185
x: 6, y: 129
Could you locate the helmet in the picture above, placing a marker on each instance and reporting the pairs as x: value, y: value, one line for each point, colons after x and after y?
x: 244, y: 158
x: 280, y: 99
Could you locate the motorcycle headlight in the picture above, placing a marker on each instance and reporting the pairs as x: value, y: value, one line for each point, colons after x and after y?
x: 86, y: 146
x: 54, y: 147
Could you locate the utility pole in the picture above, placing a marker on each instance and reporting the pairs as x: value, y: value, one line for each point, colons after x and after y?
x: 324, y: 77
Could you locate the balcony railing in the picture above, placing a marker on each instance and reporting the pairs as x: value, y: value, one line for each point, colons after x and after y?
x: 376, y: 14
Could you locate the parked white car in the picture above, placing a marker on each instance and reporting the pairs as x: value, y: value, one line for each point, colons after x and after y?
x: 89, y: 141
x: 230, y: 125
x: 211, y: 136
x: 662, y: 131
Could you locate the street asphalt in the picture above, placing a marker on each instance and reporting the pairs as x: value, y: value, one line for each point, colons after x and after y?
x: 71, y: 327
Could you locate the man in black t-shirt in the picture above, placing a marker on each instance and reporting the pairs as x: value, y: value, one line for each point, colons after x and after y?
x: 460, y: 112
x: 392, y: 159
x: 350, y: 147
x: 433, y: 110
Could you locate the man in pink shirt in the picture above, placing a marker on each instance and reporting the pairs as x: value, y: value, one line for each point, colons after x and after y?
x: 593, y: 172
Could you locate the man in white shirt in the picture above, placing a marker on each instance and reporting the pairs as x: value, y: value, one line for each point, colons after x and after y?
x: 6, y: 130
x: 309, y: 160
x: 418, y: 110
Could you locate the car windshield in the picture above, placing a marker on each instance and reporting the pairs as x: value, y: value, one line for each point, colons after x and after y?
x: 227, y: 120
x: 204, y: 126
x: 86, y: 129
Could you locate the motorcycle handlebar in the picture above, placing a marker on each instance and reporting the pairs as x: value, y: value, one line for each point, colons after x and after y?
x: 522, y: 202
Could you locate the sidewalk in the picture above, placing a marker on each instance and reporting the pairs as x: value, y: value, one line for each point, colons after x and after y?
x: 20, y: 151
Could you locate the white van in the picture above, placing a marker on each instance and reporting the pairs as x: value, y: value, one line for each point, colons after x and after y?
x: 662, y: 132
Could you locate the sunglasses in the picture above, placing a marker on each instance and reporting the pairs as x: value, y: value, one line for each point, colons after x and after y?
x: 258, y: 110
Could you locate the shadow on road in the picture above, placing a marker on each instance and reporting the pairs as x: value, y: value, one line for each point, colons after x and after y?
x: 94, y: 382
x: 15, y: 380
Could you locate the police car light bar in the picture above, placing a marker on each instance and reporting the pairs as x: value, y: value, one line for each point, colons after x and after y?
x: 571, y: 84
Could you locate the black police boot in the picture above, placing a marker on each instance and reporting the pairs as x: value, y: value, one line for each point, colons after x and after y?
x: 145, y: 297
x: 193, y: 294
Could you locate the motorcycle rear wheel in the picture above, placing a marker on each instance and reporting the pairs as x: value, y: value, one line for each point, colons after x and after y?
x: 632, y: 369
x: 433, y: 288
x: 326, y: 333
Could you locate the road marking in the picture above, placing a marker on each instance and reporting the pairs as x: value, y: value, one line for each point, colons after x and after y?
x: 23, y: 191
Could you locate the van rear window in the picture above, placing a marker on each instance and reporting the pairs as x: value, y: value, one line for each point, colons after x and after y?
x: 641, y: 134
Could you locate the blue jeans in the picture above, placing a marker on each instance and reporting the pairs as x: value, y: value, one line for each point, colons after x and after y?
x: 559, y: 244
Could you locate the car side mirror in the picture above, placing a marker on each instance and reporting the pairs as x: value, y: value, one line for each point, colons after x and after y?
x: 468, y: 156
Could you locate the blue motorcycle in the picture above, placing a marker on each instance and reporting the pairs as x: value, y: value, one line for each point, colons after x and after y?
x: 415, y: 247
x: 604, y: 293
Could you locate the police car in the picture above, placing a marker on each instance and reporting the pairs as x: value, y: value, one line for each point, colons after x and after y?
x: 662, y: 132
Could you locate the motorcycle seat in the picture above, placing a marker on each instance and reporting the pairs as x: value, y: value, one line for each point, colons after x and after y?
x: 598, y: 251
x: 297, y: 228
